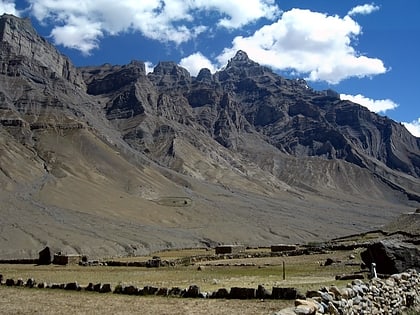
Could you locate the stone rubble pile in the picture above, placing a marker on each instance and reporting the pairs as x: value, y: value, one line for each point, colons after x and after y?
x: 393, y: 295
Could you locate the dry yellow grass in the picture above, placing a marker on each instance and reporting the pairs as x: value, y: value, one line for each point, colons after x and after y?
x: 302, y: 272
x: 48, y: 301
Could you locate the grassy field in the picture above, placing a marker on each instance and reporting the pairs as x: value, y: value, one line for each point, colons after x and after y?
x: 302, y: 272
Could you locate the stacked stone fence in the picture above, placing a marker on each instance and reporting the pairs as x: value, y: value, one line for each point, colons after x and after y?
x: 396, y: 294
x: 193, y: 291
x: 393, y: 295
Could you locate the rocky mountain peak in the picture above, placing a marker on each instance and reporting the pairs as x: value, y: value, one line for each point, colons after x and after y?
x: 241, y: 59
x: 244, y: 155
x: 24, y: 51
x: 167, y: 73
x: 240, y: 56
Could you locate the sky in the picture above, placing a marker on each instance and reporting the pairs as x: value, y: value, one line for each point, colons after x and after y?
x: 366, y: 51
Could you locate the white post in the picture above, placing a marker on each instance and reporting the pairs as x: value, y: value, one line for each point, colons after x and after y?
x: 373, y: 271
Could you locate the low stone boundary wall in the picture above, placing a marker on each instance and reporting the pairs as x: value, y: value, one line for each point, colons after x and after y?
x: 193, y: 291
x: 393, y: 295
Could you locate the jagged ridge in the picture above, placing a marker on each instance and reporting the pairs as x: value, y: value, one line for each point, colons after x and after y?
x: 99, y: 159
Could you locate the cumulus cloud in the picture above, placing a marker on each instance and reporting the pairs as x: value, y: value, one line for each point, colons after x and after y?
x: 363, y: 9
x: 195, y: 62
x: 377, y: 106
x: 149, y: 66
x: 413, y: 127
x: 175, y: 21
x: 309, y: 43
x: 7, y: 6
x: 239, y: 12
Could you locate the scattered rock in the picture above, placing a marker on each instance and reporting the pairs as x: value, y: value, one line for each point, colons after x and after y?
x: 392, y: 256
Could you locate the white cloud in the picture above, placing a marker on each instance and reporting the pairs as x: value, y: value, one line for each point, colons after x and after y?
x: 176, y: 21
x: 309, y: 43
x: 239, y: 12
x: 363, y: 9
x: 79, y: 33
x: 149, y: 66
x: 9, y: 7
x: 195, y: 62
x: 377, y: 106
x: 413, y: 127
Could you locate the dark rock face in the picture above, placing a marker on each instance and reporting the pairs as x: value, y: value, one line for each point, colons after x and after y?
x: 392, y: 256
x: 246, y: 98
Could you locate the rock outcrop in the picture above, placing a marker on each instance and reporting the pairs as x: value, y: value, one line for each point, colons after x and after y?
x: 392, y: 256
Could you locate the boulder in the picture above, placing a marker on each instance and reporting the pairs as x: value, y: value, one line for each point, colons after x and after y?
x: 149, y: 290
x: 105, y: 288
x: 221, y: 293
x: 89, y: 287
x: 45, y: 256
x: 392, y: 256
x: 175, y: 291
x: 10, y: 282
x: 285, y: 293
x: 305, y: 307
x: 97, y: 287
x: 242, y: 293
x: 262, y: 293
x: 162, y: 292
x: 192, y: 292
x: 72, y: 286
x: 30, y: 283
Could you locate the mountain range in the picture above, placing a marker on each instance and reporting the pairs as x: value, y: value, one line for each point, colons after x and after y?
x: 110, y: 160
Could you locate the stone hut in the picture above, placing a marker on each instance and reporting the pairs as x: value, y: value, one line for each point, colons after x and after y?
x: 45, y: 256
x: 229, y: 249
x: 61, y: 259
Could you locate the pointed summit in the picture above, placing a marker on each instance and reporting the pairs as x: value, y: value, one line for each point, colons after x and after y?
x: 240, y: 56
x: 241, y: 60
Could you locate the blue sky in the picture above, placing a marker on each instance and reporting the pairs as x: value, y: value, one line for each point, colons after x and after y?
x: 367, y: 51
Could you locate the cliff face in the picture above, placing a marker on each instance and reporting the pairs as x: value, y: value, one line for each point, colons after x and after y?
x: 248, y: 99
x: 24, y: 52
x: 108, y: 160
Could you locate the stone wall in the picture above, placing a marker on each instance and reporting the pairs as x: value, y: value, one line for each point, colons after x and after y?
x: 229, y: 249
x: 393, y: 295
